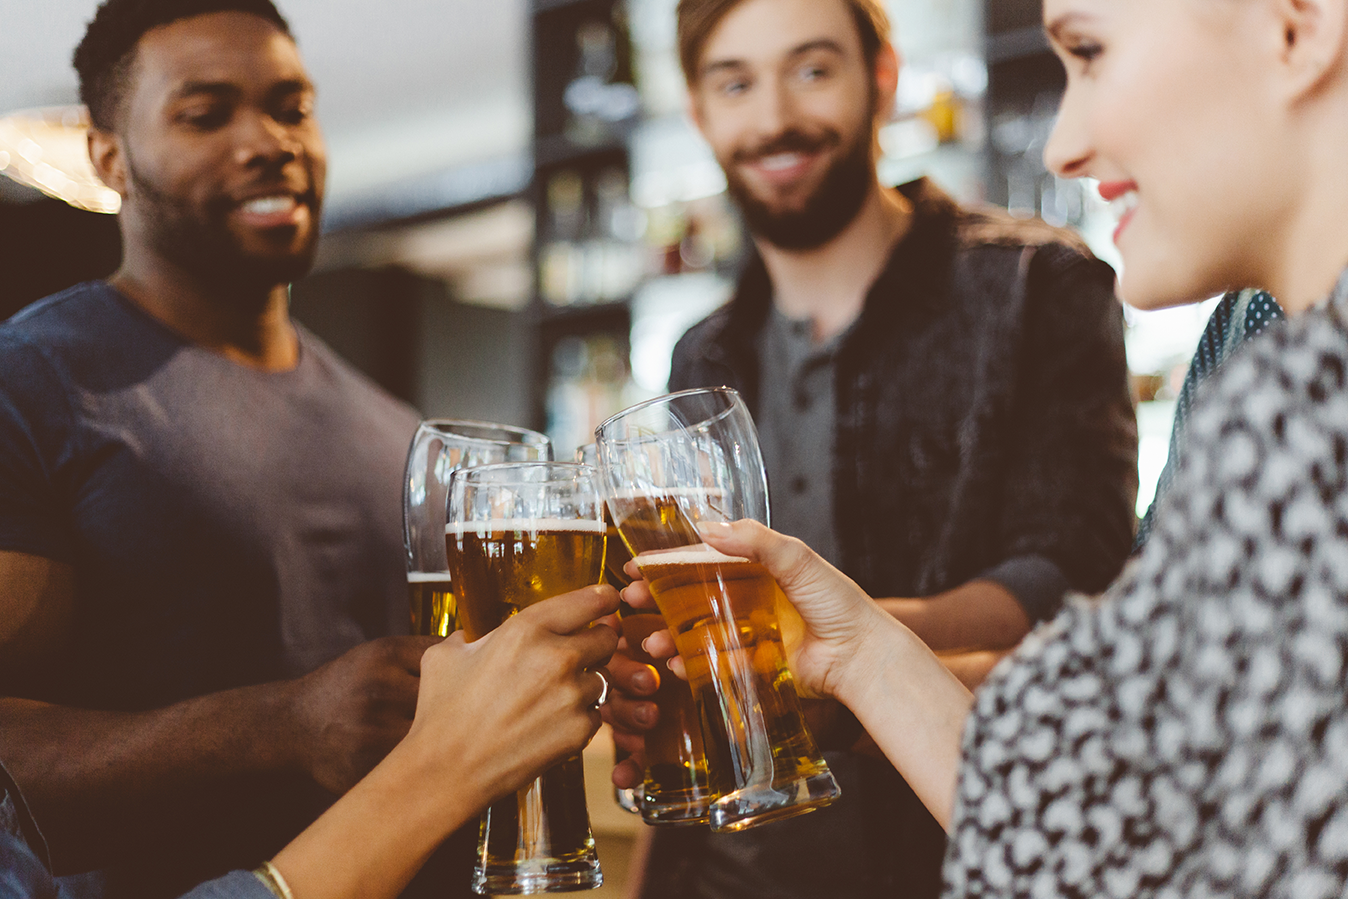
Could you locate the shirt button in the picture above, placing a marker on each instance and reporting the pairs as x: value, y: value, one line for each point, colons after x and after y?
x: 802, y: 400
x: 799, y: 484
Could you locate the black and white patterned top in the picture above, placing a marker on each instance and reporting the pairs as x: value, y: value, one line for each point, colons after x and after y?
x: 1187, y: 735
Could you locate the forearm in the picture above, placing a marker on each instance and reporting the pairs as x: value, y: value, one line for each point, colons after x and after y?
x: 88, y: 773
x: 972, y: 668
x: 978, y: 615
x: 914, y: 709
x: 378, y: 835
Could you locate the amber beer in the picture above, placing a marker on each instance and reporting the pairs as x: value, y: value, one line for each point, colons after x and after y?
x: 616, y: 554
x: 431, y: 598
x: 723, y: 614
x: 499, y: 568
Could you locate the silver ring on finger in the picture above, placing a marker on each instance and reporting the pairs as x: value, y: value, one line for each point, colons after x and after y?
x: 603, y: 696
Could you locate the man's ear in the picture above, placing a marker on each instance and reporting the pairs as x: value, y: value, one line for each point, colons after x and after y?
x: 887, y: 65
x: 1314, y: 41
x: 109, y: 159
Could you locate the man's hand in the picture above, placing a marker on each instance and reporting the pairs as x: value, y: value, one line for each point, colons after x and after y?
x: 356, y: 708
x: 630, y: 711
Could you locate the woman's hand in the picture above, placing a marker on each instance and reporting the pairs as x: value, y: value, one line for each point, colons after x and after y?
x: 490, y: 717
x: 842, y: 623
x: 501, y: 710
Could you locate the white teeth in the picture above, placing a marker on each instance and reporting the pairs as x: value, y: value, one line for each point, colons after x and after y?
x: 269, y: 205
x: 780, y: 161
x: 1124, y: 204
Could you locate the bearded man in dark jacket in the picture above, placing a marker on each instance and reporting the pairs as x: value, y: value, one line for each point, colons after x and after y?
x: 941, y: 395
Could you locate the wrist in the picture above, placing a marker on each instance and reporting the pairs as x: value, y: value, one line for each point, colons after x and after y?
x: 431, y: 782
x: 289, y: 742
x: 876, y: 654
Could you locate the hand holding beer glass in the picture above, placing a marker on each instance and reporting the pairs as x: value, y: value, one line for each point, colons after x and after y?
x: 439, y: 447
x: 674, y: 787
x: 518, y: 534
x: 668, y: 465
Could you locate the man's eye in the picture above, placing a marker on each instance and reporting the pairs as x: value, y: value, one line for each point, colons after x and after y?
x: 734, y: 87
x: 812, y: 73
x: 295, y: 115
x: 204, y: 118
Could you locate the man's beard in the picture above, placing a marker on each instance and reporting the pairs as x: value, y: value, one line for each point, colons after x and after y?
x: 832, y: 206
x: 199, y: 241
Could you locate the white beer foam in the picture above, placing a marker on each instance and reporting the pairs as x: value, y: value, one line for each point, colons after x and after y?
x: 676, y: 492
x: 423, y: 577
x: 527, y: 525
x: 698, y: 554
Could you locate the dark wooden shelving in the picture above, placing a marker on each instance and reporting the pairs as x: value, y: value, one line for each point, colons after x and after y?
x: 1020, y: 43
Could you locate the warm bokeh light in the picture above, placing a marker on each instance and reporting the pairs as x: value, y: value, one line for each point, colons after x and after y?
x: 46, y: 149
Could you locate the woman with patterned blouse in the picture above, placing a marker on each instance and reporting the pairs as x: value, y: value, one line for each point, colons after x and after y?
x: 1185, y: 735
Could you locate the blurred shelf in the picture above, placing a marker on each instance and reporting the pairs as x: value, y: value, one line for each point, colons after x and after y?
x: 542, y: 6
x: 1021, y: 43
x: 558, y: 150
x: 583, y: 318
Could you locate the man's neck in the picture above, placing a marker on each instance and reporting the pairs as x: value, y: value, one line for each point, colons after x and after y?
x: 828, y: 284
x: 249, y: 327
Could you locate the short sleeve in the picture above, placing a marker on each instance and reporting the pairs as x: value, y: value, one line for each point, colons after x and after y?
x: 234, y: 885
x: 35, y: 439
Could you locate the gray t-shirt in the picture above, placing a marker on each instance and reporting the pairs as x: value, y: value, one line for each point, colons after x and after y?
x: 226, y: 526
x: 796, y: 427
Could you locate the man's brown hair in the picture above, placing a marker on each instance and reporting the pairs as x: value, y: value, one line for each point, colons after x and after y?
x: 699, y: 18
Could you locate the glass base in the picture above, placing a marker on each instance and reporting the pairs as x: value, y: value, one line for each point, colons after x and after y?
x: 753, y: 806
x: 678, y: 808
x: 538, y: 877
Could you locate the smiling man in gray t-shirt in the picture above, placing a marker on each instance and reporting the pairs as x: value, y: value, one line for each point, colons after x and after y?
x: 199, y: 504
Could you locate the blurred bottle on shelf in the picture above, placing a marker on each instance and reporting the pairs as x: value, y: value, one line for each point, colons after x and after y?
x: 699, y: 235
x: 600, y: 99
x: 590, y: 381
x: 592, y: 251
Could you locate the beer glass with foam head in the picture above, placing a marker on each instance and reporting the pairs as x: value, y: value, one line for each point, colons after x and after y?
x: 439, y: 447
x: 675, y: 789
x: 668, y: 465
x: 518, y: 534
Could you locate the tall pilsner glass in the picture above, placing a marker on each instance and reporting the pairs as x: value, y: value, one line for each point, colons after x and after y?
x: 518, y: 534
x: 669, y: 464
x: 674, y: 789
x: 439, y: 447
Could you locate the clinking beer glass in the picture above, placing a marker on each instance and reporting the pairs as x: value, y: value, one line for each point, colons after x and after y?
x: 669, y: 464
x: 440, y: 447
x: 518, y: 534
x: 675, y: 790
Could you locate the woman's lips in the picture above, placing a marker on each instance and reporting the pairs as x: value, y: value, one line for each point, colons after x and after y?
x: 1123, y: 199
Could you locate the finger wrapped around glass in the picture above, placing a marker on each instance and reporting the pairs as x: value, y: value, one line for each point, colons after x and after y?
x: 439, y: 447
x: 668, y: 465
x: 675, y: 789
x: 518, y: 534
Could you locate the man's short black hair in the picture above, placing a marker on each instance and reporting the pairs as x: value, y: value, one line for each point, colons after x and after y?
x: 105, y: 57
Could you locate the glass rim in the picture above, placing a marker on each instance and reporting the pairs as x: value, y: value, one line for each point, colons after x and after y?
x: 475, y: 472
x: 445, y: 426
x: 730, y: 393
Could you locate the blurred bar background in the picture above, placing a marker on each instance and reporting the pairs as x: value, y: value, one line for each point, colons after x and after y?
x: 520, y: 219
